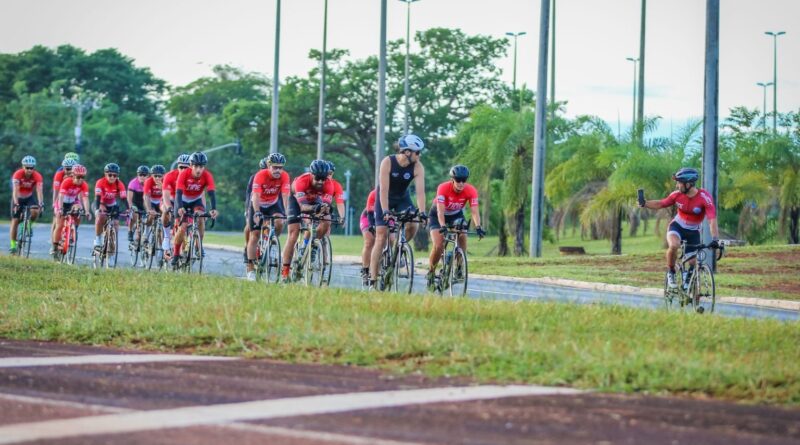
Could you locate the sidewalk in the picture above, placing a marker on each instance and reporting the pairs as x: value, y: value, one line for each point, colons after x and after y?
x: 602, y: 287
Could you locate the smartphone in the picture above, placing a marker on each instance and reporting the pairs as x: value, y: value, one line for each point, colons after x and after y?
x: 641, y: 197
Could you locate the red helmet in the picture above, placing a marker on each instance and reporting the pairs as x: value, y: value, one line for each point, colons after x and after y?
x: 78, y: 170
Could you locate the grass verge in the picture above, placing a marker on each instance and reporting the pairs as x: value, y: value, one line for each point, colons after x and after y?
x: 605, y: 347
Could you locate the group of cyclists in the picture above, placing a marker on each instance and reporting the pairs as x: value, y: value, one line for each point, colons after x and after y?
x: 272, y: 197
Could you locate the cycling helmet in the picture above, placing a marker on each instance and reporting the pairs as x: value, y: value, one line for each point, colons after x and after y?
x: 320, y: 168
x: 143, y: 170
x: 686, y: 175
x: 158, y: 169
x: 276, y: 158
x: 262, y: 164
x: 111, y: 168
x: 183, y: 159
x: 410, y: 142
x: 78, y: 170
x: 72, y: 155
x: 69, y: 163
x: 459, y: 172
x: 29, y: 161
x: 332, y: 166
x: 198, y: 158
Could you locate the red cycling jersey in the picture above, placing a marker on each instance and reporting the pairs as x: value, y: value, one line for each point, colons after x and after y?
x: 58, y: 178
x: 168, y: 183
x: 338, y: 191
x: 193, y: 187
x: 305, y: 193
x: 691, y: 211
x: 108, y: 192
x: 153, y: 190
x: 454, y: 201
x: 371, y: 201
x: 71, y: 192
x: 26, y: 185
x: 270, y: 189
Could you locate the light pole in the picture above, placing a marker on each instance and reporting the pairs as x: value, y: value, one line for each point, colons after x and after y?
x: 539, y: 137
x: 515, y: 35
x: 640, y: 94
x: 321, y: 124
x: 347, y: 175
x: 764, y: 87
x: 273, y: 132
x: 711, y: 112
x: 408, y: 49
x: 775, y: 36
x: 380, y: 132
x: 635, y: 61
x: 553, y: 61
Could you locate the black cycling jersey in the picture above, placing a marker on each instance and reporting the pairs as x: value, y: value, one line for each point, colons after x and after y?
x: 399, y: 178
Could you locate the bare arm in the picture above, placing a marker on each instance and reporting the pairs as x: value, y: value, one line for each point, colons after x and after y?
x: 130, y: 199
x: 440, y: 212
x: 383, y: 180
x: 419, y: 184
x: 476, y: 216
x: 40, y: 193
x: 714, y: 227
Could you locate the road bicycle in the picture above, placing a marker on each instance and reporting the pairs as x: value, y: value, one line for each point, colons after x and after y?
x: 453, y: 273
x: 268, y: 250
x: 106, y: 256
x: 191, y: 257
x: 312, y: 260
x: 396, y: 271
x: 695, y: 289
x: 152, y: 253
x: 25, y: 231
x: 135, y: 246
x: 68, y: 243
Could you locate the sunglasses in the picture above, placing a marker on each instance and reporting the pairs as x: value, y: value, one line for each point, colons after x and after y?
x: 320, y: 178
x: 79, y: 177
x: 158, y: 176
x: 460, y: 180
x: 276, y: 167
x: 28, y: 168
x: 112, y: 175
x: 142, y: 175
x: 181, y: 167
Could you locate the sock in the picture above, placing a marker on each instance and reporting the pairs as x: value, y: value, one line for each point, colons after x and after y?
x: 13, y: 244
x: 98, y: 240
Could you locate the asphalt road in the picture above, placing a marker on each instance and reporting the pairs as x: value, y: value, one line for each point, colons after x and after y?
x: 224, y: 262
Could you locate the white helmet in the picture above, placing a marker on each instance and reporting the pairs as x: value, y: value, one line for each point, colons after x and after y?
x: 410, y: 142
x: 29, y: 161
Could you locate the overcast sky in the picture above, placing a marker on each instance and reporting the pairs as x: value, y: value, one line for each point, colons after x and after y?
x: 180, y: 39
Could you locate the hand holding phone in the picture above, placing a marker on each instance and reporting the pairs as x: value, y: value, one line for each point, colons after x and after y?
x: 641, y: 197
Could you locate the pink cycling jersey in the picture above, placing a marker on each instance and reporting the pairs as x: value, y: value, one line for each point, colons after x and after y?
x: 691, y: 211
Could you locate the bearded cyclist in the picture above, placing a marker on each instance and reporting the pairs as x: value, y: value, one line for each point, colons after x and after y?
x: 392, y: 195
x: 693, y: 206
x: 167, y: 196
x: 248, y: 207
x: 270, y: 197
x: 24, y: 181
x: 189, y: 189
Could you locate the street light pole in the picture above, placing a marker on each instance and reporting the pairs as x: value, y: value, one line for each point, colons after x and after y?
x: 380, y: 136
x: 634, y: 60
x: 321, y: 124
x: 347, y: 175
x: 711, y: 112
x: 515, y: 35
x: 408, y: 49
x: 553, y: 61
x: 273, y: 132
x: 539, y: 137
x: 775, y: 36
x: 640, y: 96
x: 764, y: 88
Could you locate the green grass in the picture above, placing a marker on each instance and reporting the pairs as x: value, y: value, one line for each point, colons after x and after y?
x: 610, y: 348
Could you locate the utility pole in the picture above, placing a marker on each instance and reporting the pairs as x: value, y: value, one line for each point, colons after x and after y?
x: 553, y: 62
x: 764, y: 88
x: 380, y: 136
x: 321, y: 124
x: 775, y: 36
x: 540, y: 136
x: 408, y: 50
x: 633, y: 125
x: 640, y: 107
x: 273, y: 132
x: 514, y: 84
x: 347, y: 175
x: 711, y: 114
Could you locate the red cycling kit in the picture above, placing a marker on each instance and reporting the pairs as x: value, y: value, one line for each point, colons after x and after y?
x: 153, y: 190
x: 108, y: 192
x: 71, y: 193
x: 270, y: 189
x: 691, y: 211
x: 306, y: 193
x: 454, y: 203
x: 338, y: 191
x: 367, y: 221
x: 192, y: 188
x: 26, y: 185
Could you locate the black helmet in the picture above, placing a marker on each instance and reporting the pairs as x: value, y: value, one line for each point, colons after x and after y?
x: 158, y: 169
x: 262, y: 164
x: 276, y: 159
x: 320, y: 168
x: 143, y: 170
x: 198, y: 158
x: 332, y: 165
x: 459, y: 172
x: 686, y: 175
x: 111, y: 168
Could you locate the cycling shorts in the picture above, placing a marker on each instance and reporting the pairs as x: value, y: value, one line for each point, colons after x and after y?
x: 367, y: 221
x: 433, y: 218
x: 396, y: 205
x: 30, y: 201
x: 692, y: 237
x: 273, y: 210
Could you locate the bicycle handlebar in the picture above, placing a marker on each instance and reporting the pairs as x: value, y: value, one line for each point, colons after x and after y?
x: 720, y: 248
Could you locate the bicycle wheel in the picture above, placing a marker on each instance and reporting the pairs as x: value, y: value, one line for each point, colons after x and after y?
x: 196, y: 253
x: 273, y: 272
x: 24, y: 242
x: 703, y: 290
x: 404, y: 270
x: 458, y: 273
x: 144, y: 245
x: 262, y: 259
x: 134, y: 247
x: 313, y: 264
x: 72, y: 241
x: 297, y: 265
x: 385, y: 278
x: 112, y: 249
x: 327, y: 261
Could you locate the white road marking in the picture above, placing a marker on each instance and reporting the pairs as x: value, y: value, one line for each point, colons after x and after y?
x: 63, y: 403
x: 263, y: 409
x: 24, y: 362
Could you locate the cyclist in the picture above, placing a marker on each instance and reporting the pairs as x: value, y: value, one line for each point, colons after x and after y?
x: 310, y: 193
x: 693, y: 205
x: 248, y: 207
x: 338, y: 194
x: 106, y: 191
x: 367, y: 224
x: 395, y: 175
x: 448, y: 207
x: 152, y: 191
x: 136, y: 197
x: 23, y: 182
x: 70, y: 159
x: 189, y: 188
x: 168, y: 195
x: 271, y: 188
x: 73, y: 191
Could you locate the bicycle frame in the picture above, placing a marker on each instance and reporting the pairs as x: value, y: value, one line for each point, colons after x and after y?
x: 267, y: 236
x: 387, y: 275
x: 301, y: 266
x: 445, y: 277
x: 69, y: 237
x: 192, y: 250
x: 696, y: 288
x: 110, y: 235
x: 25, y: 231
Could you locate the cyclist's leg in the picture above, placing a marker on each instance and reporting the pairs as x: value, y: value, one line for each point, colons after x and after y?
x: 368, y: 233
x: 437, y: 239
x: 15, y: 215
x: 99, y: 223
x: 278, y: 210
x: 201, y: 224
x: 253, y: 239
x: 673, y: 245
x: 381, y: 235
x: 294, y: 232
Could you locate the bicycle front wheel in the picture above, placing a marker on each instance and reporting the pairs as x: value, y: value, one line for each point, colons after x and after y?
x: 327, y: 261
x: 404, y: 269
x: 72, y: 246
x: 112, y: 249
x: 27, y: 234
x: 273, y: 266
x: 134, y: 247
x: 703, y: 290
x: 314, y: 264
x: 458, y: 273
x: 196, y: 254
